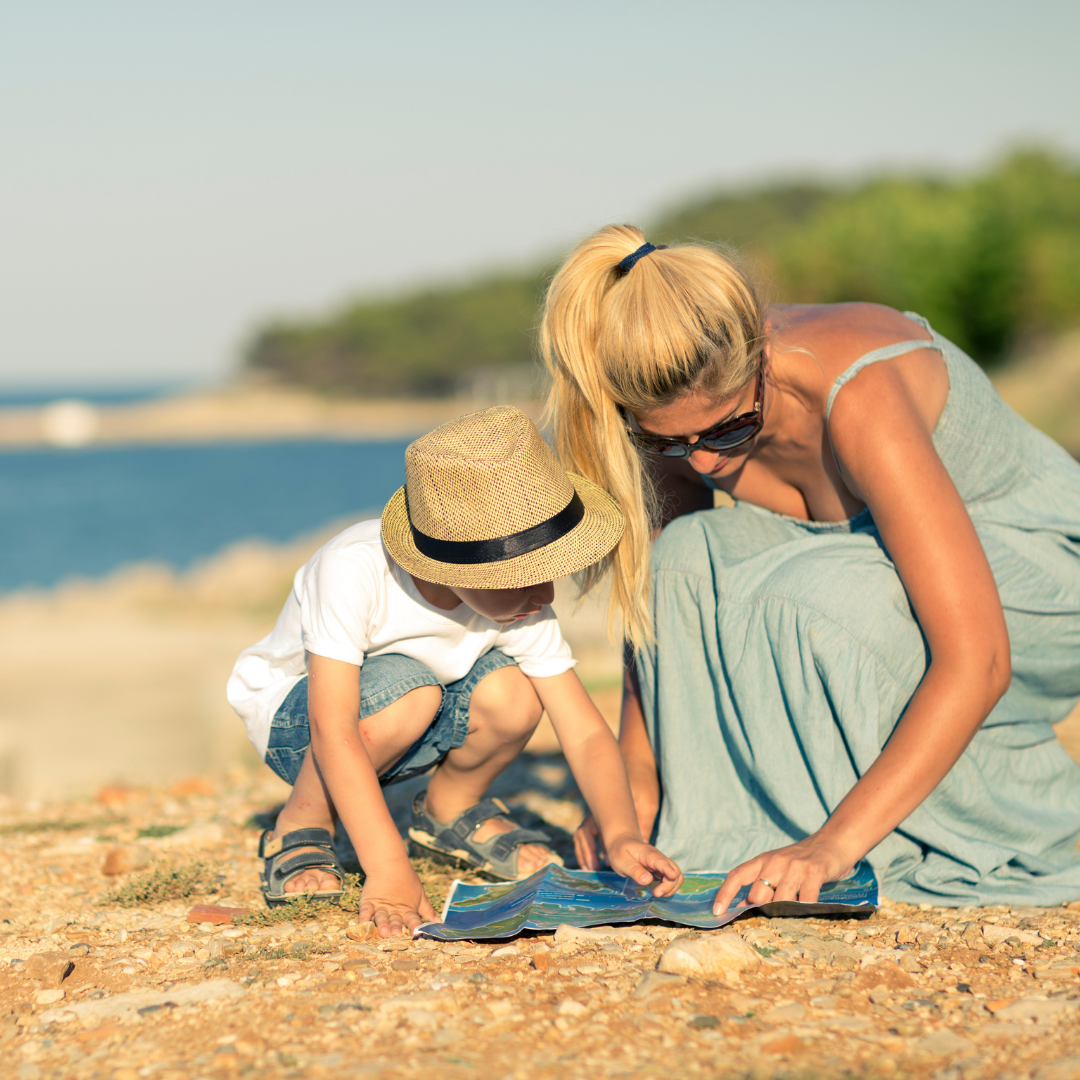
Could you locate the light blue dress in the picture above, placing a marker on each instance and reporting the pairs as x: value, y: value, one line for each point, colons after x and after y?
x: 786, y: 652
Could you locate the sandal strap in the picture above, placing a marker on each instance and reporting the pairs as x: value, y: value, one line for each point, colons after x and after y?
x: 504, y: 843
x: 286, y: 869
x: 468, y: 821
x: 311, y: 837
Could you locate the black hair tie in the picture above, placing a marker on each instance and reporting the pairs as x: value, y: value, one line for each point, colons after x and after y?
x: 626, y: 265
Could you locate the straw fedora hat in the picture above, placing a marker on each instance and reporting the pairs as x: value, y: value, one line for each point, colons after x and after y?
x: 486, y: 505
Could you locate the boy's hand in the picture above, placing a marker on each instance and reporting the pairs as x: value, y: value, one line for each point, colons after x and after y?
x: 643, y: 863
x: 395, y: 902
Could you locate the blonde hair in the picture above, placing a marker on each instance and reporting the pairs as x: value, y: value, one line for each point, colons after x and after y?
x: 684, y: 318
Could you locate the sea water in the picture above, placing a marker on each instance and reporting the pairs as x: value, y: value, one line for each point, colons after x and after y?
x: 67, y: 513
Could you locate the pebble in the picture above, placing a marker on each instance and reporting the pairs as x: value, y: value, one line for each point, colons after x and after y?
x: 1030, y: 1008
x: 946, y: 1042
x: 125, y: 859
x: 364, y: 931
x: 565, y: 932
x: 718, y: 955
x: 50, y: 968
x: 570, y: 1007
x: 212, y: 913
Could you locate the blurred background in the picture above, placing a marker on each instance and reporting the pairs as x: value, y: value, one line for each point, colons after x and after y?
x: 250, y: 250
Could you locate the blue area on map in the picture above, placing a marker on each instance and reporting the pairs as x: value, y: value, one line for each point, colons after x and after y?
x: 553, y: 896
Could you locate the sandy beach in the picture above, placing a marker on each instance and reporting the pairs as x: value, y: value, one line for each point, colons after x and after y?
x: 243, y: 411
x: 122, y: 976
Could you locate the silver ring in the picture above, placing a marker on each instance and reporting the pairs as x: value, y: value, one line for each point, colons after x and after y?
x: 769, y: 883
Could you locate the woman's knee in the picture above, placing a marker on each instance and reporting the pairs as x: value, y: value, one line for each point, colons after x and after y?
x: 505, y: 700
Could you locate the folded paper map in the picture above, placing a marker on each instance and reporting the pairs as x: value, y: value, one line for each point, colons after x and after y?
x: 553, y: 896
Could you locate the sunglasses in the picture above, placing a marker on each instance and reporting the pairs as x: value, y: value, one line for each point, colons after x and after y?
x: 725, y: 436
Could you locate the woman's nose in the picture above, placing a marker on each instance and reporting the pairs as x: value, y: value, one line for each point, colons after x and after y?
x: 704, y: 461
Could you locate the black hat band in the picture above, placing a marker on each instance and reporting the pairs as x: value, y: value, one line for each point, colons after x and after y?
x: 501, y: 548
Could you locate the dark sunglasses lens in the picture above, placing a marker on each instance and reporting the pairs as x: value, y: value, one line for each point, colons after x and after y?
x: 667, y: 449
x: 725, y: 440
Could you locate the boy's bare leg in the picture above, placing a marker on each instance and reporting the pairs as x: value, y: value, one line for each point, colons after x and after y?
x: 503, y: 712
x: 386, y: 735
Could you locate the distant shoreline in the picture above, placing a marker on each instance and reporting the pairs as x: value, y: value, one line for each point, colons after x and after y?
x: 243, y: 414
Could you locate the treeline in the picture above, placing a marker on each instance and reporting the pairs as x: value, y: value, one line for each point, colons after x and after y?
x: 991, y: 261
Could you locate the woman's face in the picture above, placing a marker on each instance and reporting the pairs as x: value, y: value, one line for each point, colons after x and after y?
x: 694, y: 413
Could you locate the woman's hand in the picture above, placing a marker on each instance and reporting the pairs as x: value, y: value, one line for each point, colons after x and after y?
x: 789, y: 873
x: 643, y: 863
x: 588, y: 845
x: 395, y: 902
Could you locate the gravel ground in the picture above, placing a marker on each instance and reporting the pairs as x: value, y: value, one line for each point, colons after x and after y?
x: 919, y: 992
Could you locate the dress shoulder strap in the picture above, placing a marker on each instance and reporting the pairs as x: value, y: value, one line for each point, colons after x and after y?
x: 887, y: 352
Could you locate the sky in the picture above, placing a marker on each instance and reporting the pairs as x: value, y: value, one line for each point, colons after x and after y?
x: 174, y: 174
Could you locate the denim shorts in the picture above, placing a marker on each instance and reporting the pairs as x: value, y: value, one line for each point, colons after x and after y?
x: 383, y: 679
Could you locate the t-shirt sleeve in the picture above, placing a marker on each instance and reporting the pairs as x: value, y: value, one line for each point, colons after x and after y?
x: 537, y: 645
x: 337, y: 601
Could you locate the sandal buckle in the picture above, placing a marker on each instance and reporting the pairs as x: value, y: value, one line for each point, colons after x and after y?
x: 272, y: 847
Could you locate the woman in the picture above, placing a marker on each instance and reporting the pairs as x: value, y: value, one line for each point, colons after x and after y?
x: 862, y: 657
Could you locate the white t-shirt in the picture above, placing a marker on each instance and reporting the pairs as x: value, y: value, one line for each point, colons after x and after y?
x: 350, y: 600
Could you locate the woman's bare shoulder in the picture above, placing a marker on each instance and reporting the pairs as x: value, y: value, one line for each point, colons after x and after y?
x: 838, y: 334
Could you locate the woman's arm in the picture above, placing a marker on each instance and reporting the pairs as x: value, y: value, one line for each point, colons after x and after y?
x: 888, y: 460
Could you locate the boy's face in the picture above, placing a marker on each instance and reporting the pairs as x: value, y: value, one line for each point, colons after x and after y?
x: 507, y: 606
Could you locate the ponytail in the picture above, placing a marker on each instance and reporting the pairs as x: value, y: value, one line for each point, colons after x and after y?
x: 681, y: 319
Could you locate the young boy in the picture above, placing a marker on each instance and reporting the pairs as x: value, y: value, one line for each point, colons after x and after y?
x: 429, y: 642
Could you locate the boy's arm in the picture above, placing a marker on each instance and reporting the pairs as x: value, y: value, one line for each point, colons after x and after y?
x: 392, y: 897
x: 593, y: 756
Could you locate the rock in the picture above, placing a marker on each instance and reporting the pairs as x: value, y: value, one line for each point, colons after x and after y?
x: 364, y: 931
x: 446, y: 1036
x: 715, y: 956
x: 405, y: 965
x: 909, y: 964
x: 566, y: 932
x: 996, y: 934
x: 198, y: 834
x: 789, y: 1013
x: 278, y: 930
x: 1035, y: 1008
x: 431, y: 1000
x: 50, y: 968
x: 702, y: 1020
x: 48, y: 997
x: 125, y: 859
x: 885, y: 975
x: 505, y: 950
x: 125, y: 1004
x: 971, y: 934
x: 212, y: 913
x: 652, y: 981
x: 541, y: 960
x: 28, y: 1070
x: 945, y: 1042
x: 570, y: 1007
x: 192, y: 785
x: 423, y: 1018
x: 787, y: 1044
x: 1063, y: 1069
